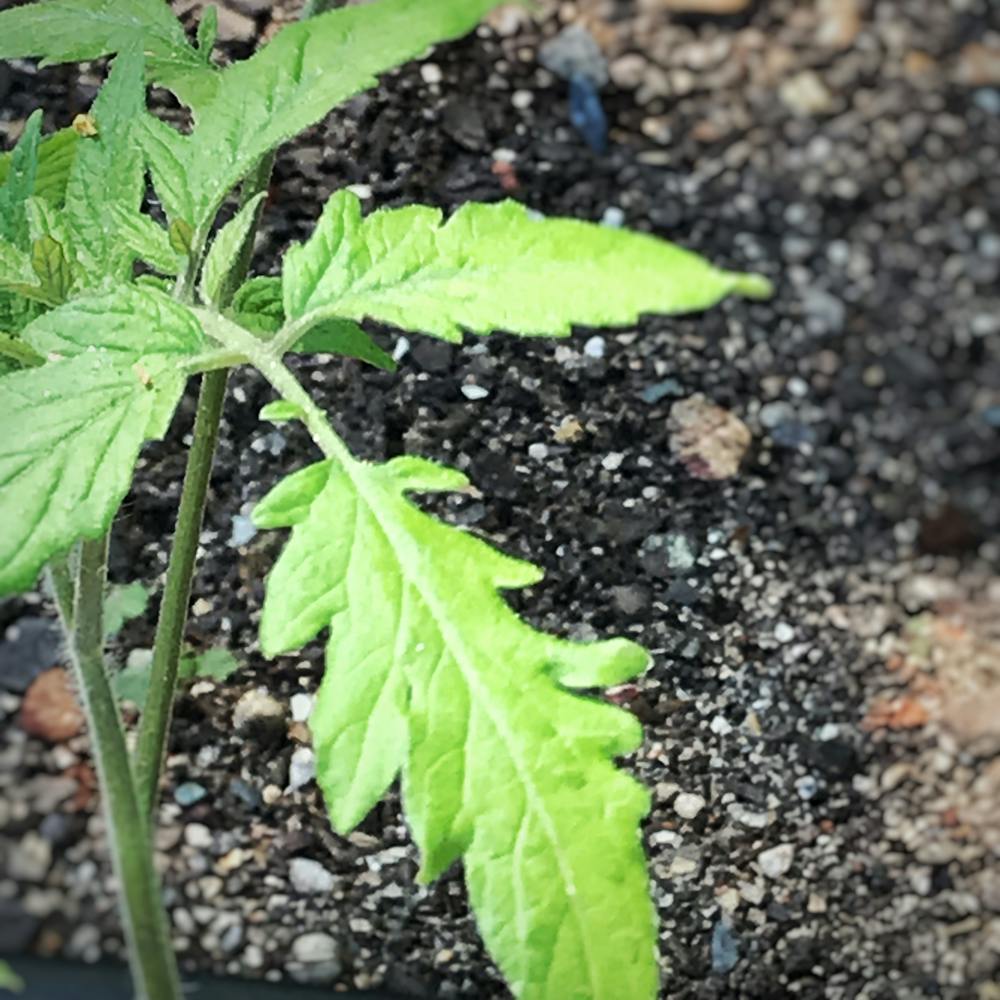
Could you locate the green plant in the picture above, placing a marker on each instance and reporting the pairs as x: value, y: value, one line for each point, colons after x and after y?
x: 430, y: 676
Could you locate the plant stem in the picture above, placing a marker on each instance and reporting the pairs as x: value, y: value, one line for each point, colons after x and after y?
x: 158, y: 710
x: 154, y: 726
x: 147, y: 932
x: 61, y: 582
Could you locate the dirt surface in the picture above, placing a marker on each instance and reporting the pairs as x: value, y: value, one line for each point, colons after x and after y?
x: 823, y: 714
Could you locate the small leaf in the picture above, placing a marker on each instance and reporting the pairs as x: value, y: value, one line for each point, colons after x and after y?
x: 180, y: 234
x: 19, y: 183
x: 257, y: 305
x: 131, y: 683
x: 217, y: 664
x: 347, y: 339
x: 108, y: 173
x: 56, y: 155
x: 429, y: 672
x: 149, y: 241
x: 225, y: 250
x: 281, y: 411
x: 208, y: 30
x: 9, y: 979
x: 122, y: 604
x: 288, y: 85
x: 14, y: 349
x: 492, y: 267
x: 52, y: 268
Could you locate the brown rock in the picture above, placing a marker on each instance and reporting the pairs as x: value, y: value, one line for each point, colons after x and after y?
x: 709, y: 440
x: 50, y: 710
x: 839, y: 23
x: 978, y: 65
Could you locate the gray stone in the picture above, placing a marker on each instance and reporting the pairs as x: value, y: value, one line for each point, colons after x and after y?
x: 308, y: 876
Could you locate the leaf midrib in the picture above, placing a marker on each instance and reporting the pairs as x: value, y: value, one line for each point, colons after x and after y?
x: 356, y: 473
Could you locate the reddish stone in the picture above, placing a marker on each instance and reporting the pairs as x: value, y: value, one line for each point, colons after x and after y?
x: 50, y: 710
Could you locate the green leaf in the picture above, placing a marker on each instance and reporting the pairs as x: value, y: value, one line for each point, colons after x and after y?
x: 121, y: 604
x: 281, y: 412
x: 52, y: 268
x: 13, y: 349
x: 208, y: 31
x: 130, y: 320
x: 344, y: 337
x: 18, y: 272
x: 19, y: 183
x: 61, y: 31
x: 131, y: 683
x: 108, y: 174
x: 55, y: 160
x: 180, y: 236
x: 492, y: 267
x: 429, y: 671
x: 74, y: 426
x: 225, y: 249
x: 149, y: 241
x: 288, y: 85
x: 216, y: 664
x: 10, y: 980
x: 257, y: 306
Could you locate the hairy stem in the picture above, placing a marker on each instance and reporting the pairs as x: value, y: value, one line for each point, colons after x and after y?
x: 158, y: 709
x: 154, y: 726
x: 60, y: 579
x: 154, y: 968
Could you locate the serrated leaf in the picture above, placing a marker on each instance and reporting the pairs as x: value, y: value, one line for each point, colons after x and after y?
x: 148, y: 240
x: 429, y: 671
x: 288, y: 85
x: 19, y: 183
x: 55, y: 160
x: 74, y: 426
x: 492, y: 267
x: 52, y: 268
x: 225, y: 249
x: 257, y: 305
x: 108, y: 173
x: 122, y: 603
x: 208, y: 31
x: 61, y: 31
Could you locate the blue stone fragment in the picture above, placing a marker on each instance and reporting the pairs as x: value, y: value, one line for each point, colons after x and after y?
x: 587, y: 114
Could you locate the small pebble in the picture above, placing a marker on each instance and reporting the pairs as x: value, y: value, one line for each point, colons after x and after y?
x: 594, y: 347
x: 474, y: 392
x: 776, y: 861
x: 301, y: 768
x: 189, y: 793
x: 687, y: 805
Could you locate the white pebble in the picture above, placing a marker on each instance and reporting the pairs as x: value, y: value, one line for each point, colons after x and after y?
x: 302, y: 706
x: 783, y: 632
x: 302, y: 768
x: 522, y: 99
x: 613, y: 461
x: 431, y: 73
x: 539, y: 452
x: 474, y: 392
x: 776, y: 861
x: 687, y: 805
x: 594, y: 348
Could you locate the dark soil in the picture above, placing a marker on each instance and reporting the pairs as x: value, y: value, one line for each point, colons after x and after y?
x: 871, y: 384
